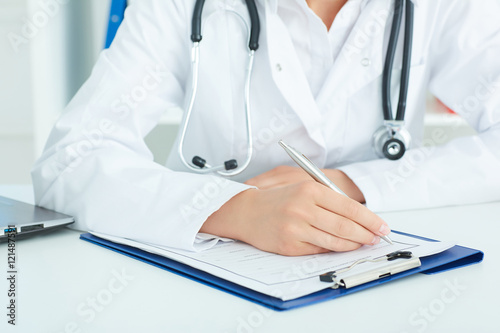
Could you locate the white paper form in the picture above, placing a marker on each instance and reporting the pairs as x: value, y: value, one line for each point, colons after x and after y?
x: 280, y: 276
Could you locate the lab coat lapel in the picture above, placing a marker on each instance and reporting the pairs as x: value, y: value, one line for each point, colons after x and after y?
x: 289, y: 77
x: 361, y: 59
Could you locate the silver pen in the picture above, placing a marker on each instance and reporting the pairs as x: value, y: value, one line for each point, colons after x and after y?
x: 316, y: 173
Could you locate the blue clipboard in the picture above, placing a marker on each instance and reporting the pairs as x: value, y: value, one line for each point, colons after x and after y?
x: 452, y: 258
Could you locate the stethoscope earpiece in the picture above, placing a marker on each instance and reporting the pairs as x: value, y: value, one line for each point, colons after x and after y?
x: 199, y: 162
x: 202, y: 163
x: 230, y: 165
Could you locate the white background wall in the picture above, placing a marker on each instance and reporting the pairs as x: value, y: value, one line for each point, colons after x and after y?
x: 47, y: 48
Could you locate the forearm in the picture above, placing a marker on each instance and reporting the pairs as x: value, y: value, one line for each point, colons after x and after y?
x: 464, y: 171
x: 120, y: 192
x: 226, y: 221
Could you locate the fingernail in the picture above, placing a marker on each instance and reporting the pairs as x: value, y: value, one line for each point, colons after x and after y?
x: 375, y: 240
x: 384, y: 230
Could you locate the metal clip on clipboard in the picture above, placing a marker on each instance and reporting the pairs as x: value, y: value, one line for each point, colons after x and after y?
x: 400, y: 261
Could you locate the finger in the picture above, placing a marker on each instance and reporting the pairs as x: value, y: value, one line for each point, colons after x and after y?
x: 343, y: 227
x: 328, y: 241
x: 351, y: 209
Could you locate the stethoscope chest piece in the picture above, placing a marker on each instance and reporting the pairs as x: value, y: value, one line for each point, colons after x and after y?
x: 391, y: 140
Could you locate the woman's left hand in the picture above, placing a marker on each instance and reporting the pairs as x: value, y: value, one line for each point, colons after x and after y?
x: 287, y: 175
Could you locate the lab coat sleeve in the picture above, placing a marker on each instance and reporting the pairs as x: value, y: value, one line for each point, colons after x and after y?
x: 464, y: 55
x: 96, y: 165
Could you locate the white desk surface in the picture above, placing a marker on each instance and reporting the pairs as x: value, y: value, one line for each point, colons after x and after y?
x: 60, y: 275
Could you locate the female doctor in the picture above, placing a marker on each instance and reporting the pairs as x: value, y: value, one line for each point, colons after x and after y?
x: 318, y: 81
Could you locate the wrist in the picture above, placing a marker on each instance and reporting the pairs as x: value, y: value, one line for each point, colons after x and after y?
x: 229, y: 220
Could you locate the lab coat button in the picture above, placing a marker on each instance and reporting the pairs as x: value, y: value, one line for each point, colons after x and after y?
x: 278, y: 67
x: 366, y: 62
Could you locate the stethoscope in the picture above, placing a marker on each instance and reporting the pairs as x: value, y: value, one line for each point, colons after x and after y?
x: 390, y: 141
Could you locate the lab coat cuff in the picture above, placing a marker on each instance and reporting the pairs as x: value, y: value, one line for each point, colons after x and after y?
x: 360, y: 174
x: 204, y: 241
x: 378, y: 180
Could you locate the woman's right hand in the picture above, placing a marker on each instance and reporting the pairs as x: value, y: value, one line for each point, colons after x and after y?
x: 298, y: 219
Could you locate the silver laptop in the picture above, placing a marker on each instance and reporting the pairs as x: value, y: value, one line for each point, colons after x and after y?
x: 28, y: 219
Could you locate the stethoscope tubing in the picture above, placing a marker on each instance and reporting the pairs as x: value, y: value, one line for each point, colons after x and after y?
x: 407, y: 50
x: 195, y: 63
x: 389, y: 62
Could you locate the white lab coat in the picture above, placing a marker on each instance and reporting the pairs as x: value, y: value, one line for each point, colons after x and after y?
x: 97, y: 167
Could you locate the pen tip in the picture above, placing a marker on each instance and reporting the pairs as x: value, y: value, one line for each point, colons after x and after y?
x: 387, y: 239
